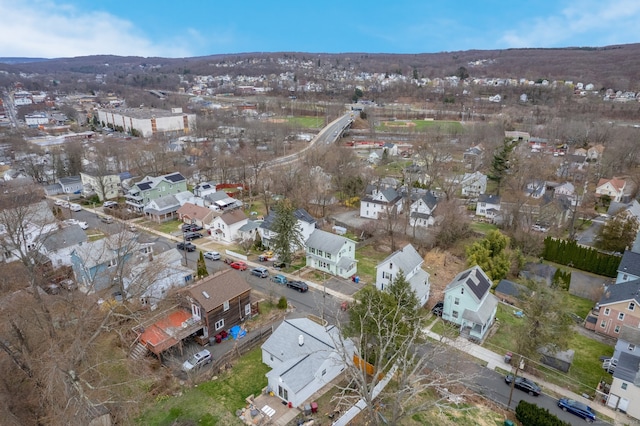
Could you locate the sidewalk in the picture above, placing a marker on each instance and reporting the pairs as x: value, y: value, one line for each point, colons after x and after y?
x: 494, y: 360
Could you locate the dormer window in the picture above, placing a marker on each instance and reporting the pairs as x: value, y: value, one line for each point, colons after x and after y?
x: 390, y: 265
x: 632, y: 306
x: 462, y: 290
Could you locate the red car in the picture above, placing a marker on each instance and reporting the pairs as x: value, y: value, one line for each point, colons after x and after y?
x: 241, y: 266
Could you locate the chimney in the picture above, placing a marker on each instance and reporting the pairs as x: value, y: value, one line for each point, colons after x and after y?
x: 300, y: 340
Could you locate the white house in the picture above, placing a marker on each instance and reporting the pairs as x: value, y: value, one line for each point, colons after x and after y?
x: 304, y: 356
x: 58, y: 244
x: 566, y: 189
x: 488, y: 206
x: 379, y: 203
x: 226, y: 227
x: 331, y: 253
x: 71, y: 184
x: 409, y: 261
x: 35, y: 221
x: 421, y: 210
x: 203, y: 189
x: 106, y: 187
x: 624, y: 394
x: 473, y: 184
x: 536, y: 188
x: 613, y: 188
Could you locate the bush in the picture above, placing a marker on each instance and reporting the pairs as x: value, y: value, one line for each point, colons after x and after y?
x: 566, y: 252
x: 282, y: 303
x: 531, y: 414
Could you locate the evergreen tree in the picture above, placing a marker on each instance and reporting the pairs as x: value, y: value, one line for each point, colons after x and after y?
x: 490, y: 254
x: 500, y: 163
x: 618, y: 233
x: 201, y: 269
x: 288, y: 234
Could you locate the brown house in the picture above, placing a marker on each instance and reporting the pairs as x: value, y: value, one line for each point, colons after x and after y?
x: 618, y: 306
x: 221, y: 300
x: 198, y: 215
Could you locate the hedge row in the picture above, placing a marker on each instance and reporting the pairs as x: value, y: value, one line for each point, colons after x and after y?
x: 584, y: 258
x: 531, y: 415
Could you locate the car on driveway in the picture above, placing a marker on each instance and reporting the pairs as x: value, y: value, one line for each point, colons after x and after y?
x: 577, y: 408
x: 75, y: 207
x: 61, y: 203
x: 106, y: 219
x: 197, y: 360
x: 191, y: 227
x: 260, y: 272
x: 109, y: 204
x: 186, y: 246
x: 524, y: 384
x: 188, y: 236
x: 437, y: 308
x: 212, y: 255
x: 240, y: 266
x: 301, y: 286
x: 279, y: 278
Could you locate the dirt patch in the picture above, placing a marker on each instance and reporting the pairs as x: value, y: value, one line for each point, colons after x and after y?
x: 277, y: 120
x: 399, y: 124
x: 443, y: 267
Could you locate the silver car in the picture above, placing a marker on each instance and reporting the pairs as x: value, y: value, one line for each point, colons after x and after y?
x: 197, y: 360
x: 212, y: 255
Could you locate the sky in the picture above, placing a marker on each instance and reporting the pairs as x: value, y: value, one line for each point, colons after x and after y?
x: 187, y: 28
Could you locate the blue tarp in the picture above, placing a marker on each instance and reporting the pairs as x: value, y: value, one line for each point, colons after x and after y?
x: 237, y: 332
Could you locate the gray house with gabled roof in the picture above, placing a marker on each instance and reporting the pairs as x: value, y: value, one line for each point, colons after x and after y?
x: 624, y: 394
x: 422, y: 209
x: 304, y: 356
x: 629, y: 268
x: 331, y: 253
x: 306, y: 226
x: 58, y: 245
x: 468, y: 302
x: 409, y: 261
x: 162, y: 209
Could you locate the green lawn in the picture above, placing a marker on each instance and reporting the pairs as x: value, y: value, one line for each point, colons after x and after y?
x: 307, y: 122
x: 580, y: 306
x: 418, y: 125
x: 368, y: 258
x: 166, y: 227
x: 483, y: 227
x: 586, y: 370
x: 213, y: 402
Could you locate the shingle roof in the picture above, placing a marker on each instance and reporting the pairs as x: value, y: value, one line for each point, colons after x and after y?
x: 474, y: 279
x: 630, y: 334
x: 630, y: 263
x: 483, y: 314
x: 614, y: 293
x: 406, y: 259
x: 64, y: 237
x: 489, y: 199
x: 233, y: 216
x: 627, y: 367
x: 219, y: 288
x: 326, y: 241
x: 510, y: 288
x: 303, y: 215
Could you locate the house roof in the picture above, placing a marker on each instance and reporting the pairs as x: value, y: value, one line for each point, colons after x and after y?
x: 163, y: 204
x: 69, y: 180
x: 326, y: 241
x: 429, y: 199
x: 233, y: 216
x: 484, y: 312
x: 249, y: 226
x: 214, y: 290
x: 632, y: 208
x: 150, y: 181
x: 615, y: 293
x: 101, y: 251
x: 64, y: 237
x: 303, y: 215
x: 630, y: 335
x: 193, y: 211
x: 627, y: 367
x: 406, y: 259
x: 489, y: 199
x: 300, y: 214
x: 617, y: 183
x: 510, y: 288
x: 630, y: 263
x: 474, y: 279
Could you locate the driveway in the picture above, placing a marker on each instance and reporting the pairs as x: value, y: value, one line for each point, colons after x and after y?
x: 588, y: 236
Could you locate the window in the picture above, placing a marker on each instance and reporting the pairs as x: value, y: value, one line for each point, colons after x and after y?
x: 621, y: 316
x: 456, y: 301
x: 606, y: 311
x: 632, y: 306
x: 617, y: 329
x: 603, y: 324
x: 312, y: 250
x: 462, y: 290
x: 219, y: 324
x: 623, y: 386
x: 631, y: 347
x: 319, y: 252
x: 247, y: 309
x: 225, y: 305
x: 387, y: 276
x: 283, y: 393
x: 113, y: 262
x: 328, y: 255
x: 624, y: 277
x: 454, y: 314
x: 390, y: 265
x: 324, y: 371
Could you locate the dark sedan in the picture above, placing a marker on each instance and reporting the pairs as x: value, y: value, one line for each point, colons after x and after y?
x: 186, y: 246
x: 577, y: 408
x: 524, y: 384
x: 301, y: 286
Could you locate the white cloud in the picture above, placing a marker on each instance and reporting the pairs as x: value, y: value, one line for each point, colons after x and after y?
x: 583, y: 23
x: 45, y: 29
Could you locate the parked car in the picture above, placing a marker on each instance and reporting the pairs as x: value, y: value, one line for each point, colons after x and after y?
x: 240, y: 266
x: 106, y: 219
x: 278, y: 264
x: 301, y: 286
x: 524, y: 384
x: 212, y: 255
x: 110, y: 204
x: 260, y: 272
x: 186, y: 246
x: 61, y: 203
x: 279, y: 278
x: 437, y: 308
x: 191, y: 227
x: 188, y: 236
x: 577, y: 408
x: 75, y: 207
x: 197, y: 360
x: 81, y: 224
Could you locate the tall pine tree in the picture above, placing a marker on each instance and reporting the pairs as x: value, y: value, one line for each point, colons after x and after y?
x: 288, y: 237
